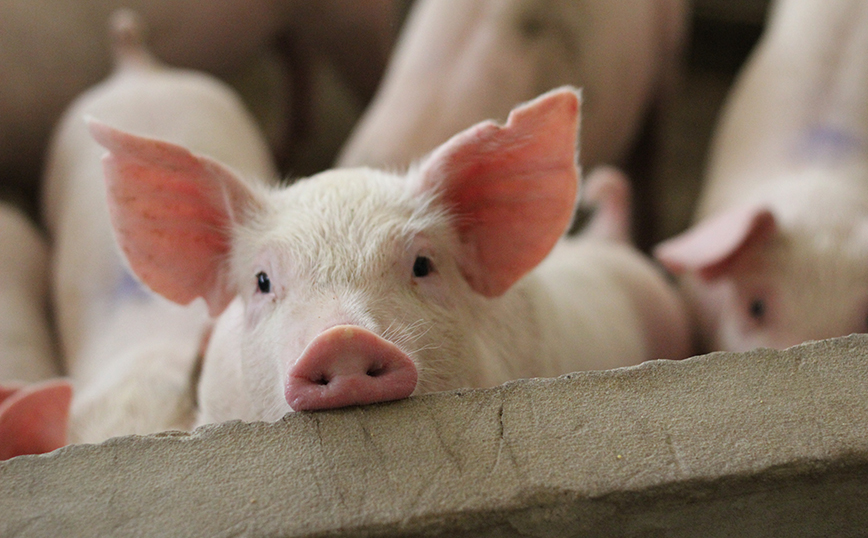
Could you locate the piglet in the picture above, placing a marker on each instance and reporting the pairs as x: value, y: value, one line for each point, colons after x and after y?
x: 779, y: 251
x: 357, y: 285
x: 33, y: 407
x: 27, y: 351
x: 131, y: 354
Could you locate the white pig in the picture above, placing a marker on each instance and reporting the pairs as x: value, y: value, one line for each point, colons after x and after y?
x: 26, y: 346
x: 458, y: 62
x: 357, y: 285
x: 779, y: 251
x: 33, y: 407
x: 130, y: 353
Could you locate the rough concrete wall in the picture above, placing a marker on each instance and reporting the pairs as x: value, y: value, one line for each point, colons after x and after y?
x: 759, y: 444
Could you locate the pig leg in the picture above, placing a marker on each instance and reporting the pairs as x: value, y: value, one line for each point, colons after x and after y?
x: 26, y: 348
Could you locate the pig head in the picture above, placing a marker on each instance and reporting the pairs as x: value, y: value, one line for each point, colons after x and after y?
x: 458, y: 62
x: 354, y: 285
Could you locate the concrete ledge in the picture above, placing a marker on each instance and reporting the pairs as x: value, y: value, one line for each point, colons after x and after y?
x: 758, y: 444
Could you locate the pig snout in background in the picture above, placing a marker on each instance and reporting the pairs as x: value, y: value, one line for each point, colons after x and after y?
x: 458, y: 62
x: 306, y: 69
x: 779, y: 251
x: 130, y: 354
x: 357, y: 285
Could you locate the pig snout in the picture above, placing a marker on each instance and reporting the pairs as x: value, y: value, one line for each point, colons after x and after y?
x: 348, y: 365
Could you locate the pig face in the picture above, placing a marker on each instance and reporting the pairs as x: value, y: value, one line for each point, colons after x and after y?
x: 761, y: 276
x: 351, y: 248
x: 358, y: 285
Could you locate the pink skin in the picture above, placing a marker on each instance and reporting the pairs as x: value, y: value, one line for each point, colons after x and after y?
x: 349, y: 365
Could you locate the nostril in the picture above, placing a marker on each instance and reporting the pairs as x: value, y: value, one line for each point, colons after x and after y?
x: 321, y: 380
x: 376, y: 370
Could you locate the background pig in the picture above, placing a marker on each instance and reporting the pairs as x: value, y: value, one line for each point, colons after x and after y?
x: 458, y: 62
x: 779, y: 253
x: 33, y: 408
x: 357, y: 285
x: 132, y: 354
x: 305, y: 66
x: 26, y: 347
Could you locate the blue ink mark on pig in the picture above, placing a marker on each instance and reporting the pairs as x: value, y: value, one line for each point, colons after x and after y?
x: 128, y: 288
x: 829, y: 144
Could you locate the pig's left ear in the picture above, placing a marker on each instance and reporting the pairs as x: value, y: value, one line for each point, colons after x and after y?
x: 511, y: 189
x: 173, y: 213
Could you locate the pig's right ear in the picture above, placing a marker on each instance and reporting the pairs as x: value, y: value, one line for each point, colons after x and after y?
x: 172, y: 212
x: 511, y: 188
x: 711, y: 246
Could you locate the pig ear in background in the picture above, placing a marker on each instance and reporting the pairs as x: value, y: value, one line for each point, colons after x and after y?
x: 172, y: 213
x: 34, y: 418
x: 711, y: 245
x: 512, y: 188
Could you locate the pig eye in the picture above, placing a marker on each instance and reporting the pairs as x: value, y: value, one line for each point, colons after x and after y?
x: 263, y: 283
x: 422, y: 267
x: 757, y: 309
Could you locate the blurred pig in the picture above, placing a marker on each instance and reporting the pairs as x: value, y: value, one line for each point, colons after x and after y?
x: 26, y: 345
x: 357, y: 286
x: 458, y: 62
x: 132, y: 355
x: 51, y: 51
x: 33, y: 407
x: 779, y: 251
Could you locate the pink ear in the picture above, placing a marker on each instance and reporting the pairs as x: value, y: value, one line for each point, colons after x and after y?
x: 172, y: 212
x: 512, y: 188
x: 34, y: 419
x: 710, y: 246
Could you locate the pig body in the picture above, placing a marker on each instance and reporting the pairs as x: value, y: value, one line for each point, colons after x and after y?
x: 130, y: 353
x: 26, y: 345
x: 779, y: 253
x: 458, y: 62
x: 358, y: 285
